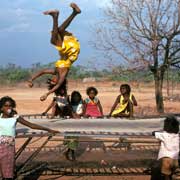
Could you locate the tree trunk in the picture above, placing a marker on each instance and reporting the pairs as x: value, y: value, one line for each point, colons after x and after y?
x: 168, y: 93
x: 158, y: 78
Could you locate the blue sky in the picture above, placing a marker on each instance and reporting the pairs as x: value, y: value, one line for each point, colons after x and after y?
x: 25, y: 31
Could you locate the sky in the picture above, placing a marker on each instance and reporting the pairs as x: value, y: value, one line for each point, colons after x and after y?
x: 25, y: 31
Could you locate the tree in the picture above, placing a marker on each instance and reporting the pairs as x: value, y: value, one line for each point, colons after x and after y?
x: 142, y: 34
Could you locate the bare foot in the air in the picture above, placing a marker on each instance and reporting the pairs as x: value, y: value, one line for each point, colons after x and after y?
x: 75, y: 7
x: 53, y: 13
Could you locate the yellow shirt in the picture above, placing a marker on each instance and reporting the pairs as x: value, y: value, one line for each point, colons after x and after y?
x: 122, y: 106
x: 69, y: 51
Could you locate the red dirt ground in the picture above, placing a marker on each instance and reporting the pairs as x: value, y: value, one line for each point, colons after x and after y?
x: 28, y: 103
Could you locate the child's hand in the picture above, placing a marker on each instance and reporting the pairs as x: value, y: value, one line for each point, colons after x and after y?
x: 153, y: 133
x: 44, y: 114
x: 44, y: 97
x: 30, y: 83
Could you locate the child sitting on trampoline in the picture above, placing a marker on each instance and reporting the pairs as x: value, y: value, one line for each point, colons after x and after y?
x: 169, y: 149
x: 76, y: 104
x: 92, y: 105
x: 60, y: 104
x: 123, y: 106
x: 67, y: 45
x: 8, y: 121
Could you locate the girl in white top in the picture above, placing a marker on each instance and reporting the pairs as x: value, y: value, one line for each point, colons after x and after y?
x: 169, y: 148
x: 8, y: 121
x: 76, y: 104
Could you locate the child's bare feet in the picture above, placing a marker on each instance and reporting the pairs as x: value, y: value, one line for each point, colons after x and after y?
x: 53, y: 13
x: 75, y: 7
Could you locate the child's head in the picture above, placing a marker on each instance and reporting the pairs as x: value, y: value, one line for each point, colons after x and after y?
x: 7, y: 106
x: 125, y: 89
x: 171, y: 125
x: 75, y: 97
x: 62, y: 90
x: 91, y: 92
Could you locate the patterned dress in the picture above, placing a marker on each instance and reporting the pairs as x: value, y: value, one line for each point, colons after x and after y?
x: 92, y: 109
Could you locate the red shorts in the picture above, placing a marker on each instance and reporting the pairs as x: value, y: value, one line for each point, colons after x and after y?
x: 7, y: 160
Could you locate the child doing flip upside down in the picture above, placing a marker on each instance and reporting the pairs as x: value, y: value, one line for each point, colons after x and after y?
x: 67, y: 45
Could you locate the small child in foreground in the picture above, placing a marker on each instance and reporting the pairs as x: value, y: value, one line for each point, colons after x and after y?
x: 8, y: 121
x: 92, y: 105
x: 169, y: 148
x: 123, y: 106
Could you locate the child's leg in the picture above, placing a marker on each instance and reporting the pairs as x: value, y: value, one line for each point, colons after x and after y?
x: 48, y: 108
x: 58, y: 32
x: 65, y: 24
x: 166, y: 168
x: 130, y: 107
x: 67, y: 154
x: 54, y: 109
x: 55, y: 39
x: 73, y: 155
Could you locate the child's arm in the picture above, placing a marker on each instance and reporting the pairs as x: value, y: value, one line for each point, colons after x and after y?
x: 35, y: 126
x: 130, y: 109
x: 159, y: 135
x: 84, y: 108
x: 38, y: 74
x: 62, y: 75
x: 114, y: 105
x: 100, y: 107
x: 134, y: 100
x: 48, y: 108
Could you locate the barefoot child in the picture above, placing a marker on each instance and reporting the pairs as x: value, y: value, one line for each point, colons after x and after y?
x: 67, y: 45
x: 92, y: 105
x: 125, y: 102
x: 8, y: 120
x: 169, y: 148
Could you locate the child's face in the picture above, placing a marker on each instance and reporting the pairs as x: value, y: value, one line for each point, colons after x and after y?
x: 123, y: 90
x: 7, y: 108
x: 76, y: 98
x: 92, y: 94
